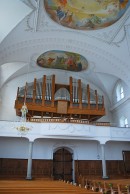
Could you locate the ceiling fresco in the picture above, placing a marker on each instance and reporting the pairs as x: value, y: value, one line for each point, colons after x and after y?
x: 86, y: 14
x: 62, y: 60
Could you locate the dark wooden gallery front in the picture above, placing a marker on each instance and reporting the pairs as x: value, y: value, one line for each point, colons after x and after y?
x: 60, y: 167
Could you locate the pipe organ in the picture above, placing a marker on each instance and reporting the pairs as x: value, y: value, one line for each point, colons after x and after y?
x: 45, y: 98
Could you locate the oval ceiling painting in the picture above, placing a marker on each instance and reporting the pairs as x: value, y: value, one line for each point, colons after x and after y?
x: 62, y: 60
x: 86, y: 14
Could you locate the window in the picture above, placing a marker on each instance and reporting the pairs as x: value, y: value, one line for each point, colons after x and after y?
x: 123, y: 122
x: 119, y: 92
x: 126, y: 122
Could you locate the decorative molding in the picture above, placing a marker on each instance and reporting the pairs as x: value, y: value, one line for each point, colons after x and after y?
x: 32, y: 18
x: 109, y: 33
x: 120, y: 133
x: 65, y: 131
x: 84, y: 48
x: 121, y: 103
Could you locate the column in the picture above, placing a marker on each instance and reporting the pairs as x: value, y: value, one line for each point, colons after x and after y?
x: 73, y: 169
x: 103, y: 162
x: 29, y: 166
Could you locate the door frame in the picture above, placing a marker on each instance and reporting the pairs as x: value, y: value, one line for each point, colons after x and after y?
x: 73, y: 163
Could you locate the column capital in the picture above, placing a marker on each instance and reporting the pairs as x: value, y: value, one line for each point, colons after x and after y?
x: 103, y: 142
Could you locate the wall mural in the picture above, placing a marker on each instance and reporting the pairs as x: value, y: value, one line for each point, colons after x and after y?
x: 86, y: 14
x: 62, y: 60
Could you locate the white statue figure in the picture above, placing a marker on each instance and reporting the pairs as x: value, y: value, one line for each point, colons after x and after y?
x: 24, y: 111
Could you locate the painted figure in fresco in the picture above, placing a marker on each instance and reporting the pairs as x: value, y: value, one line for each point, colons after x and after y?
x: 41, y: 62
x: 69, y: 19
x: 123, y: 3
x: 62, y: 60
x: 63, y: 2
x: 79, y: 66
x: 94, y: 19
x: 60, y: 13
x: 50, y: 60
x: 69, y: 12
x: 99, y: 1
x: 71, y: 63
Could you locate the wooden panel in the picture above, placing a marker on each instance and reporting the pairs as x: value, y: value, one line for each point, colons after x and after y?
x: 42, y: 168
x: 115, y: 168
x: 126, y: 159
x: 62, y: 107
x: 13, y: 168
x: 93, y: 168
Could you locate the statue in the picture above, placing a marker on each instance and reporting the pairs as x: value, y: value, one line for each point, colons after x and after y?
x: 24, y: 111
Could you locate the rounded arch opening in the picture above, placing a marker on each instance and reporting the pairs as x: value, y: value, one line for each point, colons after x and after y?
x: 63, y: 164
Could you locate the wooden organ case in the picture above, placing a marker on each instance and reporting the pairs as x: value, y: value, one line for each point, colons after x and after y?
x: 45, y: 98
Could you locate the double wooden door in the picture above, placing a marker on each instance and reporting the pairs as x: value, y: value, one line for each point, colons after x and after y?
x: 62, y: 165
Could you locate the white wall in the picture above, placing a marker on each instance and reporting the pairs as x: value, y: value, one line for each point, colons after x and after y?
x: 122, y: 111
x: 122, y: 107
x: 114, y: 149
x: 13, y: 148
x: 43, y: 148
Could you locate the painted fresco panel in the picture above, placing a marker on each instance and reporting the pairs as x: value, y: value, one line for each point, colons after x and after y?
x: 86, y: 14
x: 62, y: 60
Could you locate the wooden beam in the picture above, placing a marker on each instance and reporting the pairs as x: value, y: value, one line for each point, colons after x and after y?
x: 96, y: 99
x: 88, y: 95
x: 53, y: 91
x: 80, y: 93
x: 43, y: 90
x: 34, y: 90
x: 71, y: 93
x: 103, y: 106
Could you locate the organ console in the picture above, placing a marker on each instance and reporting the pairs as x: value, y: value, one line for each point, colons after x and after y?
x: 45, y: 98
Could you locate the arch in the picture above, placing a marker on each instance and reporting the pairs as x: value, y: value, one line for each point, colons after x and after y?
x: 62, y: 94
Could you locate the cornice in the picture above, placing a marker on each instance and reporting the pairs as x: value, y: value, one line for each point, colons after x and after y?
x: 65, y: 131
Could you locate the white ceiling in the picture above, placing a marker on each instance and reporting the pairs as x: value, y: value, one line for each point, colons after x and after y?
x: 106, y: 50
x: 11, y: 13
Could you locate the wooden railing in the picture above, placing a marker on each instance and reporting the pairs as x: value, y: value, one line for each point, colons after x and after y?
x: 117, y: 186
x: 66, y: 120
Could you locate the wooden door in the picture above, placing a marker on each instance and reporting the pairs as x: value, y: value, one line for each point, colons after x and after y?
x: 62, y: 165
